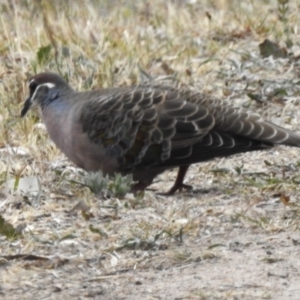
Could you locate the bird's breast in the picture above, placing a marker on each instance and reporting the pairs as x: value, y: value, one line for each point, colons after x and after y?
x: 68, y: 136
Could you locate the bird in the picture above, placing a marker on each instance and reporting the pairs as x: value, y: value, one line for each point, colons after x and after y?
x: 146, y: 129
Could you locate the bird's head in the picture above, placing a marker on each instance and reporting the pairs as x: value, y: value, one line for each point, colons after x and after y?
x: 43, y: 89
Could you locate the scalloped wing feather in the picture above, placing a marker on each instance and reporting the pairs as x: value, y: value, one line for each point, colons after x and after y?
x: 131, y: 120
x: 148, y: 126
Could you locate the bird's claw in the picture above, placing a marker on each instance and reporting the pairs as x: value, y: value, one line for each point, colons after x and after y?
x: 175, y: 188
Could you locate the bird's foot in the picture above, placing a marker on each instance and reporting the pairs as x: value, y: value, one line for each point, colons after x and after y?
x: 139, y: 187
x: 175, y: 188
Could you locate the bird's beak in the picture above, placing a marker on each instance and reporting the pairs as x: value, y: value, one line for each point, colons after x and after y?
x: 26, y: 107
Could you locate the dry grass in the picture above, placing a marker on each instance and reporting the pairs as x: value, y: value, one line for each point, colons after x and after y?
x: 236, y: 236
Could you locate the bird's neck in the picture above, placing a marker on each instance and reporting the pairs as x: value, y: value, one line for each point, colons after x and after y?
x: 56, y: 116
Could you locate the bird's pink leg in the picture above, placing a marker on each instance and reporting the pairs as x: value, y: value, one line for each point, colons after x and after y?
x: 179, y: 185
x: 140, y: 186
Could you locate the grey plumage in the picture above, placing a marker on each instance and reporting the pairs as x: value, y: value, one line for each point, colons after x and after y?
x: 145, y: 130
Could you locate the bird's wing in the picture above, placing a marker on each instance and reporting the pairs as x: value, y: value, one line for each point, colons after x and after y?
x: 143, y: 125
x: 237, y: 121
x: 150, y: 126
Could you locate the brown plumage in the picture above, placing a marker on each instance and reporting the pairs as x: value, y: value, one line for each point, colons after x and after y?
x: 145, y: 130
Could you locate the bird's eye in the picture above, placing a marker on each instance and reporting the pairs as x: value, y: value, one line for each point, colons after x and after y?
x: 32, y: 86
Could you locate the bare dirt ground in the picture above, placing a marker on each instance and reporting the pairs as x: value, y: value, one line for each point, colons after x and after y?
x: 234, y: 236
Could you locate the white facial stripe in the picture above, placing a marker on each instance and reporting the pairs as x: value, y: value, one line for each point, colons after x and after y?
x: 50, y: 85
